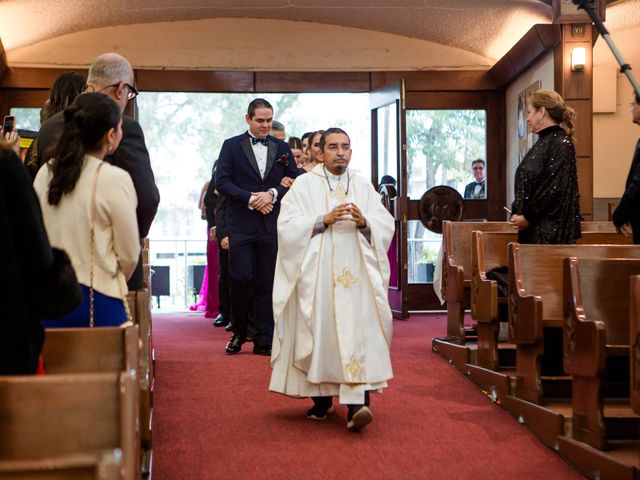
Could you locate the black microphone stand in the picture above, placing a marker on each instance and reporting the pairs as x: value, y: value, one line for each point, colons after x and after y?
x: 590, y: 7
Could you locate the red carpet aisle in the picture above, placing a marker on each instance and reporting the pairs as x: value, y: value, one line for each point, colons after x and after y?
x: 215, y: 419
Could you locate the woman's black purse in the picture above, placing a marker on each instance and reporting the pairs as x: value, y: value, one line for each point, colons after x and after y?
x: 61, y: 292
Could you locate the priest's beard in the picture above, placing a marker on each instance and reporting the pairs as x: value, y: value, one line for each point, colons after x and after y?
x: 340, y: 169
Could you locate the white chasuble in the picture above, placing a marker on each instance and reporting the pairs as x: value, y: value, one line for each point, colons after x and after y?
x: 333, y: 323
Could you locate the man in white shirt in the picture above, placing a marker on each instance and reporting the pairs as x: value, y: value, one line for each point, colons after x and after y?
x: 250, y: 169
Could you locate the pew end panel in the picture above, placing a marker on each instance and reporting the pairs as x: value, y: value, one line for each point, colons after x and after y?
x: 525, y: 310
x: 457, y: 270
x: 91, y: 350
x: 83, y: 414
x: 105, y: 465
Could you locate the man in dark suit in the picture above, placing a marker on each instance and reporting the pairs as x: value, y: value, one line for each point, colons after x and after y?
x: 477, y: 188
x: 214, y: 204
x: 112, y: 75
x: 250, y: 169
x: 626, y: 216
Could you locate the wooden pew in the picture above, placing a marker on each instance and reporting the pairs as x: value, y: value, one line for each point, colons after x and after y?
x: 88, y: 466
x: 535, y: 302
x: 596, y: 327
x: 52, y: 418
x: 140, y: 307
x: 91, y: 350
x: 456, y: 275
x: 489, y: 250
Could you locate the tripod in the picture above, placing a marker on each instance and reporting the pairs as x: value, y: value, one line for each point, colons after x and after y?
x: 590, y: 7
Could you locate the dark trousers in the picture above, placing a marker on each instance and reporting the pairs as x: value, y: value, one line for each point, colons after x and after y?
x: 224, y: 285
x: 252, y: 262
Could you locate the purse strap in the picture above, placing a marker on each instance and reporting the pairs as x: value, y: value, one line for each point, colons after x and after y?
x: 92, y: 217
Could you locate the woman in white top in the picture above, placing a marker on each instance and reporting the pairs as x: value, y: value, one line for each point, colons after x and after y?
x: 76, y: 186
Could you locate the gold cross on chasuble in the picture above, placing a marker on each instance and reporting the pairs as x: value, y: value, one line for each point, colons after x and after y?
x: 354, y: 368
x: 339, y: 193
x: 347, y: 280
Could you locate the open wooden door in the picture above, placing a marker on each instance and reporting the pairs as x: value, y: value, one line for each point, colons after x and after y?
x: 389, y: 164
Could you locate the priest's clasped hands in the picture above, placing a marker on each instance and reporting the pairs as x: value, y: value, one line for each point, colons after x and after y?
x: 348, y: 212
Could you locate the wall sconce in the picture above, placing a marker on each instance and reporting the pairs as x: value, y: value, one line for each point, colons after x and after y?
x: 578, y: 59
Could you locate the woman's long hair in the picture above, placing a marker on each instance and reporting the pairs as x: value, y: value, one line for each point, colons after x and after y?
x: 63, y: 92
x: 86, y: 122
x: 558, y: 110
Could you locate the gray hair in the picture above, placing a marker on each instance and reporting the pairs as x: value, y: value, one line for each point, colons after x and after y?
x: 108, y: 69
x: 277, y: 126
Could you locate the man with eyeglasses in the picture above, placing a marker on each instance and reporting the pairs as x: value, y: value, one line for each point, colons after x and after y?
x: 478, y: 188
x: 111, y: 74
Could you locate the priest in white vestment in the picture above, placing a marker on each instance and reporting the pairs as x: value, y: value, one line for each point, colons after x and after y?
x: 333, y: 323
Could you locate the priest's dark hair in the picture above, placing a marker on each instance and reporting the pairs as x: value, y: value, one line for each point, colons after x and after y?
x: 86, y: 122
x: 329, y: 131
x: 257, y: 103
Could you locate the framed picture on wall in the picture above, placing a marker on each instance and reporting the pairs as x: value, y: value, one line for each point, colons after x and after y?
x: 565, y: 11
x: 525, y: 134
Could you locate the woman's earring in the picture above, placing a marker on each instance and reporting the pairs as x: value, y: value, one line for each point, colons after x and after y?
x: 109, y: 149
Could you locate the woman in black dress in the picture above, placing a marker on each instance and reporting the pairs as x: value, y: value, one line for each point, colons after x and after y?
x: 546, y: 208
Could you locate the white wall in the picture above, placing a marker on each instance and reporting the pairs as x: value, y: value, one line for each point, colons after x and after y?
x: 614, y: 136
x: 542, y: 70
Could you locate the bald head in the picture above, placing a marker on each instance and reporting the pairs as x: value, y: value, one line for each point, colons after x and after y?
x: 109, y: 68
x: 110, y: 73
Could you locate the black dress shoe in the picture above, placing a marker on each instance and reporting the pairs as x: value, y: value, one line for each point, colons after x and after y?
x: 261, y: 350
x: 229, y: 327
x: 234, y: 346
x: 219, y: 321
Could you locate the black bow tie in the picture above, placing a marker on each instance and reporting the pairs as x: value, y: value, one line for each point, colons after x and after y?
x: 264, y: 141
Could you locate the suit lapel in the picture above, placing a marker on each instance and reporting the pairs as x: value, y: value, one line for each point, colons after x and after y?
x: 271, y: 156
x: 248, y: 151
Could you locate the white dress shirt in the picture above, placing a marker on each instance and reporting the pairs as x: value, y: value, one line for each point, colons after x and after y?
x: 260, y: 151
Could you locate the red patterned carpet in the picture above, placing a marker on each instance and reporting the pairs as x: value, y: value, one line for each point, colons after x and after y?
x: 215, y: 419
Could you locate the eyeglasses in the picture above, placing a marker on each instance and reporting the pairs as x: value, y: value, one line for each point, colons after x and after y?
x: 133, y: 93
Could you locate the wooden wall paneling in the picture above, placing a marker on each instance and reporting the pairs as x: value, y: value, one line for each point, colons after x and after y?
x: 533, y: 45
x: 36, y: 77
x: 194, y: 81
x: 585, y: 183
x: 463, y: 80
x: 295, y: 82
x: 577, y: 90
x: 583, y: 126
x: 3, y: 61
x: 26, y: 98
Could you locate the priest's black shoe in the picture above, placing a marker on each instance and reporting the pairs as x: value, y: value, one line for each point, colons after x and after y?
x: 262, y: 350
x: 219, y: 321
x: 234, y: 346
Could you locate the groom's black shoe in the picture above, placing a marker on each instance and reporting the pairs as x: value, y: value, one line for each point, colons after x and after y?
x: 261, y: 350
x: 234, y: 346
x: 229, y: 327
x: 219, y: 321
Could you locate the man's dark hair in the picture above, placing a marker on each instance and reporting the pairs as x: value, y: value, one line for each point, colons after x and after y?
x: 328, y: 132
x: 257, y: 103
x: 277, y: 126
x: 478, y: 160
x: 637, y: 98
x: 306, y: 135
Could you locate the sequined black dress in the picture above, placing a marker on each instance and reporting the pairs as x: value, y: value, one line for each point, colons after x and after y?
x: 546, y: 190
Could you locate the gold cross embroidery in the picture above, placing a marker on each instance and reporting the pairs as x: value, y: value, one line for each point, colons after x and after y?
x: 346, y: 279
x: 354, y: 368
x: 339, y: 193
